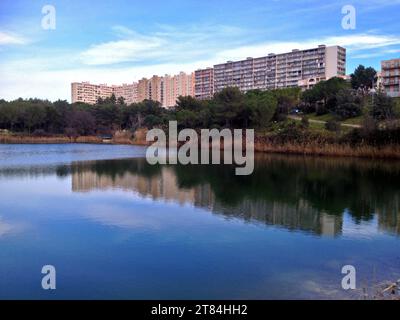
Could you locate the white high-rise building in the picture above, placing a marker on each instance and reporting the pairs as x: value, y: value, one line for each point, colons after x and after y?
x: 299, y: 68
x: 89, y: 93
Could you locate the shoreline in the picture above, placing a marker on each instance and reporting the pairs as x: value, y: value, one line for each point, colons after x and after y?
x: 19, y: 139
x: 294, y: 148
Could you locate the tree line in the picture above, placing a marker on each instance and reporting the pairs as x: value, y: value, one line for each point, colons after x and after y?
x: 229, y: 108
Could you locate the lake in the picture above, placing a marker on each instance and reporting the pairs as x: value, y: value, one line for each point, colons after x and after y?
x: 115, y: 227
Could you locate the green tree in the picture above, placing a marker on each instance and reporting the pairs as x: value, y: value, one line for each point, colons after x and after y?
x: 33, y: 116
x: 349, y: 104
x: 81, y: 122
x: 383, y: 107
x: 323, y: 96
x: 229, y: 103
x: 363, y: 78
x: 287, y: 99
x: 260, y: 108
x: 121, y: 100
x: 186, y: 119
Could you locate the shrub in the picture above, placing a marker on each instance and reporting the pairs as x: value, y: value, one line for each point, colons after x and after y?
x: 71, y: 132
x: 305, y: 123
x: 383, y: 107
x: 348, y: 104
x: 333, y: 125
x: 321, y: 109
x: 40, y: 133
x: 280, y: 117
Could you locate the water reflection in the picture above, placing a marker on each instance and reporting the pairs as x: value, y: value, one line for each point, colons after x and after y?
x: 297, y: 193
x: 197, y: 231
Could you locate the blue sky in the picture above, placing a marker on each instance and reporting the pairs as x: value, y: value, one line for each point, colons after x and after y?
x: 121, y: 41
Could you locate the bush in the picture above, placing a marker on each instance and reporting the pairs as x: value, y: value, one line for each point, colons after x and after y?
x: 333, y: 125
x: 291, y: 132
x: 40, y: 133
x: 369, y: 126
x: 397, y: 107
x: 348, y: 104
x: 305, y: 123
x: 383, y: 107
x: 71, y: 132
x: 321, y: 110
x: 307, y: 108
x: 281, y: 117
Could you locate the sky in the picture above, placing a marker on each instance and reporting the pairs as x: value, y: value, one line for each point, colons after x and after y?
x: 121, y: 41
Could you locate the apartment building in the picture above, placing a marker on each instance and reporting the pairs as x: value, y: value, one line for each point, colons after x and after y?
x: 128, y: 91
x: 165, y: 89
x: 391, y: 77
x: 142, y: 89
x: 178, y: 85
x: 155, y: 90
x: 89, y: 93
x: 184, y: 84
x: 204, y: 83
x: 299, y: 68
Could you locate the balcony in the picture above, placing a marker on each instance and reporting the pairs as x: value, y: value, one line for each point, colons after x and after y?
x: 390, y: 66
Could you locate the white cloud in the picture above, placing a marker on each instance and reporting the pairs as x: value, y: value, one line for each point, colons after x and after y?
x: 168, y: 50
x: 121, y: 50
x: 7, y: 228
x: 9, y: 39
x: 165, y: 45
x: 170, y: 44
x: 353, y: 43
x: 364, y: 41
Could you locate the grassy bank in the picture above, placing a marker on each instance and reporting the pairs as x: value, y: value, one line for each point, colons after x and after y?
x: 21, y: 139
x: 263, y: 144
x: 119, y: 138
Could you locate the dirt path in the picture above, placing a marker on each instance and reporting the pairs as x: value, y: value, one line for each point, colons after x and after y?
x: 297, y: 118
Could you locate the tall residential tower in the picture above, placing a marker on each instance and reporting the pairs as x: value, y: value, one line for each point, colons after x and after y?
x: 299, y: 68
x: 391, y: 77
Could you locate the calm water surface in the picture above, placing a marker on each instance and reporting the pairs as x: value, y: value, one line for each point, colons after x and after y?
x: 115, y: 227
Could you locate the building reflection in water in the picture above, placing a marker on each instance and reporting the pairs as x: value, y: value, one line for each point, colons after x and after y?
x: 295, y: 193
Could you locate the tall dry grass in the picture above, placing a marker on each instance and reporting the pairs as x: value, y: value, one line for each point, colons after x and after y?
x: 309, y: 147
x: 328, y: 149
x: 21, y: 139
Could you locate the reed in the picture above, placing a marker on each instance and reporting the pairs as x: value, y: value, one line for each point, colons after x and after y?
x: 330, y: 149
x: 22, y: 139
x: 314, y: 146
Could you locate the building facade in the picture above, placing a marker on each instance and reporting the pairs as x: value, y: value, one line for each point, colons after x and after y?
x: 155, y: 90
x: 204, y: 83
x: 89, y: 93
x: 391, y: 77
x: 178, y: 85
x: 143, y: 88
x: 165, y: 90
x: 299, y: 68
x: 127, y: 91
